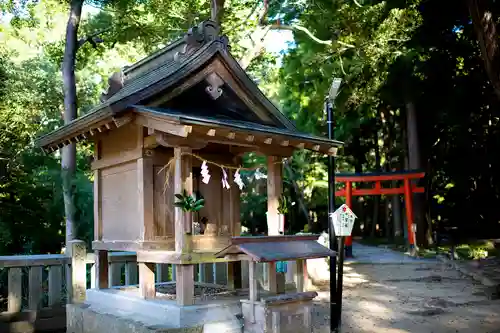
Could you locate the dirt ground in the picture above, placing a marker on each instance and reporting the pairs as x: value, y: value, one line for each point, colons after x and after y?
x: 417, y: 298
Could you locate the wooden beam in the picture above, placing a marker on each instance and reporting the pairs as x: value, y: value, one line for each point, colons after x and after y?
x: 121, y: 158
x: 167, y: 140
x: 163, y: 125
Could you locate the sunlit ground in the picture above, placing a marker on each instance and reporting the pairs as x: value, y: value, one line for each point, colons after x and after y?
x: 411, y: 298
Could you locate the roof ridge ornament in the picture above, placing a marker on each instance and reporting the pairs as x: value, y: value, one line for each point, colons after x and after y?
x: 202, y: 34
x: 115, y: 82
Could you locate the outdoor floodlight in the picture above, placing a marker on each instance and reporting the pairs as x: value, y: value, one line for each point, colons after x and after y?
x: 334, y: 89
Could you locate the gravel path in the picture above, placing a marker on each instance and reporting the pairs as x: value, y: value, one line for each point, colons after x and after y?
x: 416, y: 297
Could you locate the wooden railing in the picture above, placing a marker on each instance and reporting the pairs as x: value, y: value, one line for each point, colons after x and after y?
x: 35, y: 288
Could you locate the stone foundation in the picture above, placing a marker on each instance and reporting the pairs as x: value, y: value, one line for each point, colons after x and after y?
x: 123, y: 311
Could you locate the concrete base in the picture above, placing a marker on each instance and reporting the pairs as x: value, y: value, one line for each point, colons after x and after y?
x: 123, y: 311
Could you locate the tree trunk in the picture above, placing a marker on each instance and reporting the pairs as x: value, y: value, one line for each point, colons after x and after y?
x: 300, y: 196
x: 486, y: 31
x: 68, y: 156
x: 396, y: 214
x: 415, y: 163
x: 376, y: 198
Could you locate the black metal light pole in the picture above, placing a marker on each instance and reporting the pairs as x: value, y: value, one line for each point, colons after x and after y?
x: 334, y: 298
x: 331, y: 233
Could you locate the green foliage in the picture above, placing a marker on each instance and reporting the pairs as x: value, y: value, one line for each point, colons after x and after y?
x: 189, y: 203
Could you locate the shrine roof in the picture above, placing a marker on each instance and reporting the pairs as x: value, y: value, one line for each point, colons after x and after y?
x: 276, y: 248
x: 194, y: 71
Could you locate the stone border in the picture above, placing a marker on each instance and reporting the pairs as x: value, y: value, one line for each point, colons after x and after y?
x: 469, y: 271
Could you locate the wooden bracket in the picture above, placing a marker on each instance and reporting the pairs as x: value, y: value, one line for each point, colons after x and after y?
x: 123, y: 120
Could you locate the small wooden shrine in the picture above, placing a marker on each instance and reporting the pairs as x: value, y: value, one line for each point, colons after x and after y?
x: 160, y: 119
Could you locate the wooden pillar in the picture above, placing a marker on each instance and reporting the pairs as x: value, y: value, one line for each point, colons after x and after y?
x: 101, y: 264
x: 272, y: 281
x: 183, y: 181
x: 348, y: 202
x: 253, y: 281
x: 274, y: 190
x: 146, y: 220
x: 301, y: 275
x: 409, y: 212
x: 101, y: 269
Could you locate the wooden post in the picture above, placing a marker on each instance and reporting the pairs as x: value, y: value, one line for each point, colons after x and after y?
x: 15, y: 290
x: 348, y: 202
x: 35, y: 287
x: 276, y: 319
x: 253, y: 283
x: 299, y: 276
x: 101, y: 269
x: 274, y: 190
x: 185, y: 285
x: 183, y: 181
x: 147, y: 280
x: 55, y: 284
x: 272, y: 281
x: 409, y: 213
x: 78, y: 271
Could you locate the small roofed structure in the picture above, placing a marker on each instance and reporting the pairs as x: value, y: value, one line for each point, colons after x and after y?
x: 160, y: 119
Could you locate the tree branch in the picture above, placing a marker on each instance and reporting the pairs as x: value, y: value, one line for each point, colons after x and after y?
x: 357, y: 4
x: 90, y: 38
x: 310, y: 34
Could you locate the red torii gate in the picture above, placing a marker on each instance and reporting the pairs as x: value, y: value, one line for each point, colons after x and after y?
x: 407, y: 189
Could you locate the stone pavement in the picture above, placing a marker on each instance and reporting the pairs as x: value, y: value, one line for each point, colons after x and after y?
x: 364, y: 254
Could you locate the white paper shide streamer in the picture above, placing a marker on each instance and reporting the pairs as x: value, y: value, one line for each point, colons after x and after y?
x: 225, y: 183
x: 238, y: 180
x: 204, y: 173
